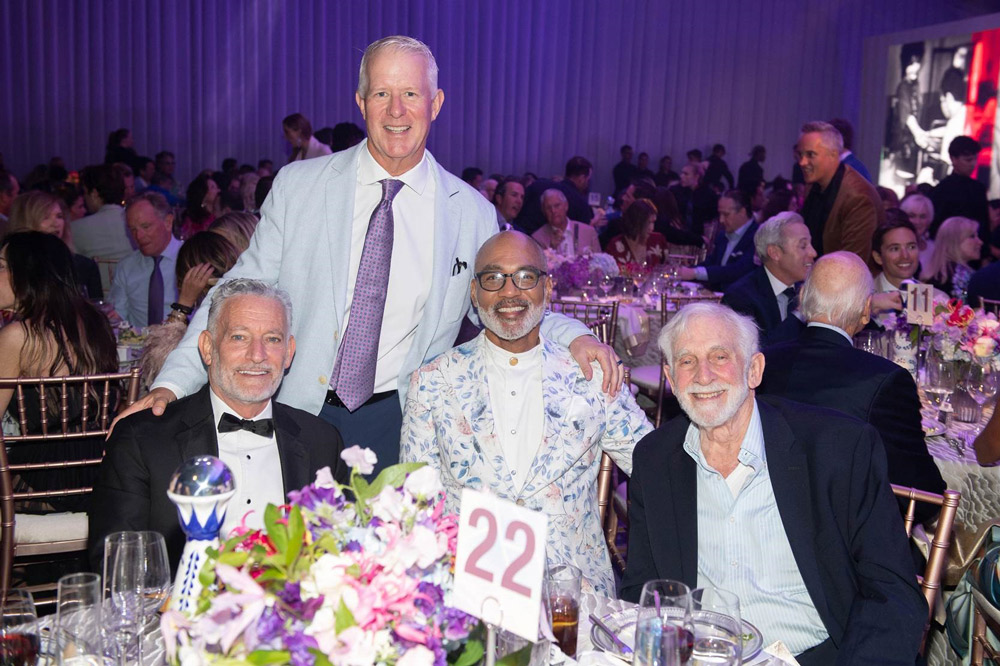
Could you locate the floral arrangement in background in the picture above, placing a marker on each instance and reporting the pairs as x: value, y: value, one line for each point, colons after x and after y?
x: 963, y: 334
x: 573, y: 272
x: 331, y: 580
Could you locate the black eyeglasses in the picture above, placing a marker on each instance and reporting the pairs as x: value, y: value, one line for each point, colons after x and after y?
x: 524, y: 279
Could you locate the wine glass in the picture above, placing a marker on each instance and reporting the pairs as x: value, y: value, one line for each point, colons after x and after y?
x: 664, y: 627
x: 939, y: 379
x: 718, y: 629
x: 19, y: 638
x: 980, y: 383
x: 137, y: 582
x: 606, y: 284
x: 78, y: 620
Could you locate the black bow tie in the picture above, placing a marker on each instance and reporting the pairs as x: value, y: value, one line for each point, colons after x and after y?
x: 231, y: 423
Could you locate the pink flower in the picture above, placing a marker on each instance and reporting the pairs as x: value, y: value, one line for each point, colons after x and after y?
x: 363, y: 460
x: 412, y: 634
x: 417, y: 655
x: 235, y: 609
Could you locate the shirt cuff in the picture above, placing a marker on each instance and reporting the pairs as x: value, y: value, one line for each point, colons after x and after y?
x: 176, y: 390
x: 701, y: 274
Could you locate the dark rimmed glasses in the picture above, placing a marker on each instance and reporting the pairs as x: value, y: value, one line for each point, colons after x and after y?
x: 524, y: 279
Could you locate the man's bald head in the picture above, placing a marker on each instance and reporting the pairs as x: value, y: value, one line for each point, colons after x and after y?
x: 505, y: 242
x: 838, y: 292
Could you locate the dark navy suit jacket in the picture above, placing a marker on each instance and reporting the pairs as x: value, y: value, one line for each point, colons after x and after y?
x: 752, y: 295
x: 740, y: 260
x: 828, y: 472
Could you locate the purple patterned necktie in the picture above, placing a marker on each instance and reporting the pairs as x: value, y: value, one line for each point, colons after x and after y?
x: 354, y: 372
x: 154, y: 300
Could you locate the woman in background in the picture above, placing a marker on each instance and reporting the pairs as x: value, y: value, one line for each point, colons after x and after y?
x: 956, y: 244
x: 639, y: 244
x: 202, y: 206
x: 237, y: 228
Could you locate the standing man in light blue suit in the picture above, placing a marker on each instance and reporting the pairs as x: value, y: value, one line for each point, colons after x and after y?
x: 379, y: 236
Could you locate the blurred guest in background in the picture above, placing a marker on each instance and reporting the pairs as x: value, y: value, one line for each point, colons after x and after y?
x: 624, y: 172
x: 639, y: 245
x: 666, y: 176
x: 920, y: 211
x: 72, y: 198
x: 959, y: 194
x: 9, y: 188
x: 695, y: 200
x: 120, y: 148
x: 144, y: 168
x: 847, y: 155
x: 956, y: 245
x: 561, y: 234
x: 509, y: 199
x: 733, y: 252
x: 103, y: 233
x: 237, y: 228
x: 753, y: 168
x: 202, y: 206
x: 718, y: 169
x: 298, y: 132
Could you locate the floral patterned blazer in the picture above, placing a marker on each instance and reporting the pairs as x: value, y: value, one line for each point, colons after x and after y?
x: 448, y: 423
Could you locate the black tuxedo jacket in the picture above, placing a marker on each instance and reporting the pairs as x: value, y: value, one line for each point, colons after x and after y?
x: 740, y: 261
x: 144, y: 450
x: 752, y: 295
x: 828, y: 473
x: 822, y: 368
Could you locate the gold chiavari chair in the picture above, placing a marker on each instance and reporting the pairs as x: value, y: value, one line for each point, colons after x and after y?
x: 937, y: 558
x: 83, y: 410
x: 106, y: 267
x: 607, y: 508
x: 990, y: 305
x: 600, y: 317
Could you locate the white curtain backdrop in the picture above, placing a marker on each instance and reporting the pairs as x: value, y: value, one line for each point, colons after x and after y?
x: 528, y: 83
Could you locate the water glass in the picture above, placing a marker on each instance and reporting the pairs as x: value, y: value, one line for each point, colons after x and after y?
x: 657, y: 642
x: 664, y: 628
x: 563, y: 586
x: 19, y: 637
x: 78, y: 619
x: 939, y: 378
x: 718, y: 627
x: 606, y: 284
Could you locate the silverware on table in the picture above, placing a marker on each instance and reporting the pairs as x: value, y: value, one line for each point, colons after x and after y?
x: 619, y: 643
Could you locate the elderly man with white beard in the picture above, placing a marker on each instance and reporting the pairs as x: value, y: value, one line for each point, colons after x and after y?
x: 510, y: 412
x: 785, y: 505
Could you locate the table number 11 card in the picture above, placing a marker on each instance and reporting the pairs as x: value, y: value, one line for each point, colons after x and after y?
x: 500, y: 562
x: 920, y: 304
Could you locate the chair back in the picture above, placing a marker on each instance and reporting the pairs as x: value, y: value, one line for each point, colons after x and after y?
x: 106, y: 267
x: 601, y: 318
x: 930, y: 582
x: 99, y: 399
x: 605, y: 496
x: 990, y: 305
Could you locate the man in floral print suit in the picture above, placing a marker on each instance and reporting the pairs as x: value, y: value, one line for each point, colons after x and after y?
x: 511, y: 413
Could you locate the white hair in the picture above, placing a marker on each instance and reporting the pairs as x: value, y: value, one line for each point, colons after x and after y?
x: 840, y: 301
x: 552, y: 191
x: 769, y: 233
x: 397, y: 43
x: 831, y: 136
x: 913, y: 202
x: 742, y: 327
x: 246, y: 287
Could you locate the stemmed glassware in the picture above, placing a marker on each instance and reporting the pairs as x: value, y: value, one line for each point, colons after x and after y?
x: 137, y: 581
x: 980, y: 382
x: 19, y: 638
x: 664, y: 626
x: 606, y: 284
x: 939, y: 380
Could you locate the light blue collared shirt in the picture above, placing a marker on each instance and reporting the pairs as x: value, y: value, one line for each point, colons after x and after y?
x: 130, y: 287
x: 743, y: 548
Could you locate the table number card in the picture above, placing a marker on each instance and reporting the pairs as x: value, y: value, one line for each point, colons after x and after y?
x: 920, y: 304
x: 500, y: 562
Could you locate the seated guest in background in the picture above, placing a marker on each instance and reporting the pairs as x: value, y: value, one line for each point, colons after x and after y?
x: 956, y: 245
x: 668, y: 220
x: 561, y: 234
x: 9, y: 189
x: 298, y: 132
x: 769, y: 293
x: 72, y: 198
x: 842, y: 208
x: 623, y: 173
x: 733, y: 252
x: 143, y: 286
x: 103, y: 233
x: 847, y: 155
x: 666, y: 176
x: 921, y: 213
x: 638, y: 244
x: 473, y: 176
x: 788, y: 506
x: 165, y: 185
x: 237, y: 228
x: 510, y: 412
x: 247, y: 348
x: 128, y: 176
x: 753, y: 169
x: 489, y: 188
x: 895, y: 251
x: 984, y: 283
x: 41, y: 211
x: 753, y: 191
x: 576, y: 185
x: 888, y: 197
x: 642, y: 167
x: 201, y: 260
x: 202, y: 206
x: 55, y: 332
x: 959, y: 194
x: 508, y: 197
x: 823, y: 368
x: 144, y: 168
x: 695, y: 200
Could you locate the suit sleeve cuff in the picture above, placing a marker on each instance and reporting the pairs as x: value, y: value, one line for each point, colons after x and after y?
x: 173, y: 388
x: 701, y: 274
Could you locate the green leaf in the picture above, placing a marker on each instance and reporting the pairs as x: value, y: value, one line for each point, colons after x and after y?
x: 207, y: 574
x: 275, y: 530
x: 362, y: 491
x: 343, y: 618
x: 320, y: 658
x: 393, y: 476
x: 265, y: 657
x: 328, y: 543
x: 471, y: 654
x: 519, y: 658
x: 296, y: 532
x: 234, y: 559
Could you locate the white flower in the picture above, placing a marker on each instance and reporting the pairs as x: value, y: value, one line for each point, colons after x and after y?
x: 423, y: 483
x: 361, y: 459
x: 323, y: 629
x: 984, y: 346
x: 417, y: 655
x: 324, y: 478
x: 328, y: 576
x: 429, y: 548
x: 389, y: 505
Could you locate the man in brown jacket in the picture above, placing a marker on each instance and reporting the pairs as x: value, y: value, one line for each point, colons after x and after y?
x: 842, y: 208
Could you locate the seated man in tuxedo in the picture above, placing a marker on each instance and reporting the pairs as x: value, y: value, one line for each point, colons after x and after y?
x: 508, y: 412
x: 769, y: 293
x: 786, y: 505
x: 561, y: 234
x: 823, y: 368
x: 732, y: 255
x: 247, y: 349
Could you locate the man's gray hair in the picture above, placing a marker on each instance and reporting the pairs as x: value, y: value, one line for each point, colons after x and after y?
x: 246, y: 287
x: 831, y: 137
x: 154, y: 199
x: 769, y: 233
x: 397, y: 43
x: 743, y: 328
x: 840, y: 301
x: 553, y: 191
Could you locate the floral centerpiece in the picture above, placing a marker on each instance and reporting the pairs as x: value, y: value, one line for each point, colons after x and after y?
x: 573, y: 272
x: 963, y: 334
x: 355, y: 575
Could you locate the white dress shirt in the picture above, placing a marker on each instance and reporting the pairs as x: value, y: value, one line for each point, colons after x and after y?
x: 256, y: 468
x: 779, y: 287
x: 412, y: 258
x: 130, y: 286
x: 515, y: 386
x: 314, y: 148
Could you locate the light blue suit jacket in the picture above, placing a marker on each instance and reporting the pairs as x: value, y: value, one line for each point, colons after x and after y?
x: 303, y: 243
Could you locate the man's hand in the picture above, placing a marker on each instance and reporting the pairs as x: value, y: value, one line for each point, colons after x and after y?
x: 686, y: 273
x: 889, y: 300
x: 587, y: 348
x: 157, y: 399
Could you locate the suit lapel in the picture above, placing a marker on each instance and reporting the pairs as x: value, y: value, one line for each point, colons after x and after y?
x: 340, y: 189
x: 682, y: 522
x: 790, y: 484
x: 768, y: 300
x: 291, y: 450
x: 198, y: 435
